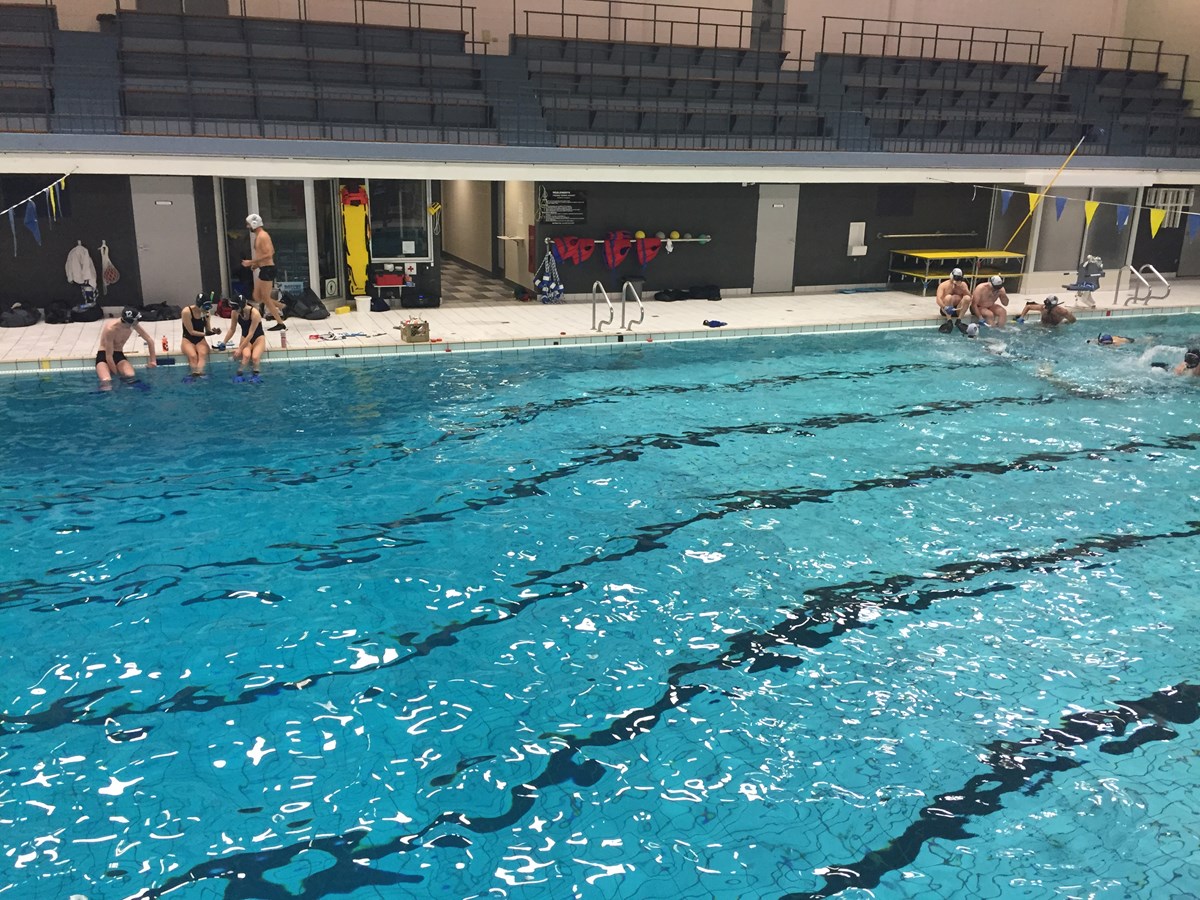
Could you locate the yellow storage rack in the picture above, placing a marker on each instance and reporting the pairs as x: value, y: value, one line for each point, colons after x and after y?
x: 910, y: 268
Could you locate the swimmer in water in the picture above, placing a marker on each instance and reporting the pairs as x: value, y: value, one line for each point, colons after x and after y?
x: 1190, y: 367
x: 1051, y: 312
x: 1111, y: 340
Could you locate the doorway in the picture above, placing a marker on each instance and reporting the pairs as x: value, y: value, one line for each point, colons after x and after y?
x: 775, y: 246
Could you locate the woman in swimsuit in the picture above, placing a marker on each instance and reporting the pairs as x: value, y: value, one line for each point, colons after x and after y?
x: 195, y: 331
x: 254, y: 339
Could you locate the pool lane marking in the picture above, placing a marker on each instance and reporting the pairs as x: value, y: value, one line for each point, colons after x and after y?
x: 191, y: 699
x: 652, y: 537
x: 247, y: 870
x: 1010, y: 770
x: 631, y: 450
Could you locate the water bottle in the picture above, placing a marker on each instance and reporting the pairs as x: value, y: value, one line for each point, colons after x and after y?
x: 164, y: 342
x: 283, y: 340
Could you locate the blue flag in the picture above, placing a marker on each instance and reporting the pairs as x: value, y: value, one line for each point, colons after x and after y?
x: 12, y: 223
x: 31, y: 222
x: 1193, y: 226
x: 1005, y: 196
x: 1123, y: 212
x: 1060, y: 203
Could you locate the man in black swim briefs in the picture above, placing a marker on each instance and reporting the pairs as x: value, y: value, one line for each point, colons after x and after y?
x: 262, y: 264
x: 110, y: 360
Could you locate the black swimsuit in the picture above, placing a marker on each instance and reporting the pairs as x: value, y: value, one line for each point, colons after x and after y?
x: 200, y: 325
x: 258, y: 332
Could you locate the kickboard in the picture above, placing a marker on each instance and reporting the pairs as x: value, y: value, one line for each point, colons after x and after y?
x: 863, y: 290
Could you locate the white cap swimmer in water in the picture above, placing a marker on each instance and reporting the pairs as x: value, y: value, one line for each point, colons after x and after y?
x: 972, y: 330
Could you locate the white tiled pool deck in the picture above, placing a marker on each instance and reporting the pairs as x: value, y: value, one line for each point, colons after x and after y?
x: 473, y: 328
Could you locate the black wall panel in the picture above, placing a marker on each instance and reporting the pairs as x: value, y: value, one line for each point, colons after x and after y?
x: 826, y: 211
x: 95, y: 208
x: 727, y: 213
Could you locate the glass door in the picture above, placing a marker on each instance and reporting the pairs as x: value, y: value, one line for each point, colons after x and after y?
x: 329, y: 239
x: 285, y: 217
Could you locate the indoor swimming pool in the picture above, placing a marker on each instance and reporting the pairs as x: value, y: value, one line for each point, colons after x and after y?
x: 892, y: 614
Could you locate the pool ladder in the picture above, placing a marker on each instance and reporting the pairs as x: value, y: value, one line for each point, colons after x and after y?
x: 1143, y: 290
x: 628, y: 289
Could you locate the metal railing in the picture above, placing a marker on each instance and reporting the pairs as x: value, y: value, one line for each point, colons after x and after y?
x: 1098, y: 51
x: 627, y: 289
x: 598, y: 291
x: 1143, y: 290
x: 453, y: 15
x: 929, y: 40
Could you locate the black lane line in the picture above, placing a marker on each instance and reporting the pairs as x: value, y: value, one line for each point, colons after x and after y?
x: 561, y: 766
x: 527, y: 413
x: 652, y: 537
x: 260, y: 479
x: 76, y: 709
x: 632, y: 449
x: 1011, y: 770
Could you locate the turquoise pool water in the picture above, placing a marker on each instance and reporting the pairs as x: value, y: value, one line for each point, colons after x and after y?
x: 895, y: 615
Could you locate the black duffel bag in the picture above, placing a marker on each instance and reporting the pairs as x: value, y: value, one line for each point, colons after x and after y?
x: 19, y: 317
x: 160, y: 312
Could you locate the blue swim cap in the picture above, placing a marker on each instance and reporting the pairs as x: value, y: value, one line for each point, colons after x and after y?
x: 1104, y: 339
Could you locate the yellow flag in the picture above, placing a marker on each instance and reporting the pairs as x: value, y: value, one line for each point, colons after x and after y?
x: 1089, y: 209
x: 1156, y: 220
x: 1033, y: 201
x: 53, y: 203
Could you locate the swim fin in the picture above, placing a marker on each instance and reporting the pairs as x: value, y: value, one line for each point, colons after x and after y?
x: 946, y: 327
x: 239, y: 378
x: 961, y: 327
x: 254, y: 379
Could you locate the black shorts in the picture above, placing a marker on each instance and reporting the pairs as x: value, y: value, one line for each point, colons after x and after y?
x: 117, y: 357
x: 266, y: 273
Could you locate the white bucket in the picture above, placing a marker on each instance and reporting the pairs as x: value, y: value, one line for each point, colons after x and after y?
x: 363, y: 304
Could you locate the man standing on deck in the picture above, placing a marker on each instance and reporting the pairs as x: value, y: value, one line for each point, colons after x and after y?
x: 262, y: 264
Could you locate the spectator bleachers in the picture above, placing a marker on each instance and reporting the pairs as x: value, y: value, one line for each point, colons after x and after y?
x: 612, y: 93
x: 26, y: 64
x: 711, y: 84
x: 965, y: 102
x: 296, y: 76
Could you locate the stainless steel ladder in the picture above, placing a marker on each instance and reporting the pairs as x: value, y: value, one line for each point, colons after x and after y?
x: 1143, y: 290
x: 598, y: 291
x: 628, y: 289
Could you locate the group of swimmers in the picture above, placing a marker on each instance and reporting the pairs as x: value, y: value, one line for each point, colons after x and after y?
x: 197, y: 328
x: 988, y: 303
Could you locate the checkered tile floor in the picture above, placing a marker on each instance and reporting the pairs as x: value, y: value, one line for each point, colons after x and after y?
x: 463, y: 286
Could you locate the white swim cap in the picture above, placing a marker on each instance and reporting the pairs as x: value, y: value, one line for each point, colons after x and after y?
x: 995, y: 281
x: 973, y: 330
x: 956, y: 274
x: 254, y: 220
